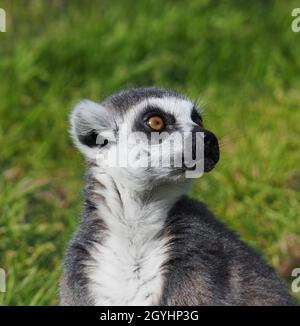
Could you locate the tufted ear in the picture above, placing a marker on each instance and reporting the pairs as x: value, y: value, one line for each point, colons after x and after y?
x: 91, y: 127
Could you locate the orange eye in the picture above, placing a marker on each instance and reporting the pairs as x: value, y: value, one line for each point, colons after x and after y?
x: 156, y: 123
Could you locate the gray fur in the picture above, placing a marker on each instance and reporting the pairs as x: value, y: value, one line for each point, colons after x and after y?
x: 125, y: 99
x: 210, y: 265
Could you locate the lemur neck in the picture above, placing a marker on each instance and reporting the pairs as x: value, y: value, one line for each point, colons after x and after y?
x: 128, y: 265
x: 127, y: 201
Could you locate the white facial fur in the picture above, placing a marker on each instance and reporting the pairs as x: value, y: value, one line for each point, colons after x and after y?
x: 88, y: 114
x: 181, y: 110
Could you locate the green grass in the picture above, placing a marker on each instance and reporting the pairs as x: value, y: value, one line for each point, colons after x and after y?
x: 240, y: 58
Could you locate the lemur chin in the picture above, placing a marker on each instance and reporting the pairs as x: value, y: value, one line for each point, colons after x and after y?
x: 141, y: 240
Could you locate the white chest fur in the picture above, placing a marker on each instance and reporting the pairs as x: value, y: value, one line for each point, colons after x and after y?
x: 128, y: 264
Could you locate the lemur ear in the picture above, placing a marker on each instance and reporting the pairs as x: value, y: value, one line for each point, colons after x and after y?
x: 91, y: 127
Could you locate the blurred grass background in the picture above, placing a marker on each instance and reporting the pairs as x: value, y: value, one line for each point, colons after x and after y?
x: 240, y: 58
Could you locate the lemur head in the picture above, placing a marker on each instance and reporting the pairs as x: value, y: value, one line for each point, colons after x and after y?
x: 133, y: 126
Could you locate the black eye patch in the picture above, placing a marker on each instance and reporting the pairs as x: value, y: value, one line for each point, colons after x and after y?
x: 141, y: 121
x: 196, y: 117
x: 89, y: 139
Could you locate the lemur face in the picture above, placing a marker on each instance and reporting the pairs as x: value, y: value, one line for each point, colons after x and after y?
x: 145, y: 132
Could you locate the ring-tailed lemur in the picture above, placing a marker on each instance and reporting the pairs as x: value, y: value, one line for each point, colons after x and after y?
x: 141, y: 240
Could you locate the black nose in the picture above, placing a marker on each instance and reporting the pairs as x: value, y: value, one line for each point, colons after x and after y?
x: 211, y: 148
x: 211, y: 151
